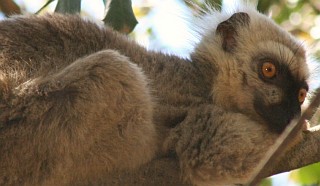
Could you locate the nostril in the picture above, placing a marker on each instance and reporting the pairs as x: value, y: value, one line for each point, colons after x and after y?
x: 288, y: 121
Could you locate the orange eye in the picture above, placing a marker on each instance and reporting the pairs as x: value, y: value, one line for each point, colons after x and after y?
x: 302, y: 95
x: 268, y: 70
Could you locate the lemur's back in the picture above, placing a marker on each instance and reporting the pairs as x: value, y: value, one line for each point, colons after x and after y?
x: 36, y: 45
x: 72, y: 109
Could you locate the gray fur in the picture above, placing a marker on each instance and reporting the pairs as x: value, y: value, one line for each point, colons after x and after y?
x: 79, y: 101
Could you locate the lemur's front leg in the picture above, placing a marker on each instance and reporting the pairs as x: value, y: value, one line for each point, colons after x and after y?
x: 215, y: 147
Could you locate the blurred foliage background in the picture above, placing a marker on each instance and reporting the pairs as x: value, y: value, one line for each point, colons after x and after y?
x: 166, y: 25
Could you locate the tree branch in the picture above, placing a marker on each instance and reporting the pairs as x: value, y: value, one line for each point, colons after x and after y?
x: 165, y: 171
x: 282, y: 145
x: 304, y: 153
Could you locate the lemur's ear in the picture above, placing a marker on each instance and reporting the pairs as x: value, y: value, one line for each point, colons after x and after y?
x: 228, y: 29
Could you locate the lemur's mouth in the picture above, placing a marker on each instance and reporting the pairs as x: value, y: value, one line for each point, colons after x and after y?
x: 277, y: 116
x: 289, y: 121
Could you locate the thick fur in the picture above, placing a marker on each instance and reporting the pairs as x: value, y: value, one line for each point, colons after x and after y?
x: 79, y: 101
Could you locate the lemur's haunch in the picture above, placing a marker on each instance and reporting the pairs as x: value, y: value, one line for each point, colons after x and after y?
x: 78, y: 101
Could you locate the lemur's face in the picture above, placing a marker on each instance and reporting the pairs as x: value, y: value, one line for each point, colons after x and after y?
x: 261, y: 72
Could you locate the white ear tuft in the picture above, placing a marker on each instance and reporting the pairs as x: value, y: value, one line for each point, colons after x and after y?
x: 210, y: 20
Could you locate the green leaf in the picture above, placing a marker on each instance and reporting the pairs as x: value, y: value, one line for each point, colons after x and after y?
x: 264, y: 5
x: 105, y: 2
x: 120, y: 16
x: 44, y: 6
x: 68, y: 6
x: 214, y: 3
x: 307, y: 175
x: 266, y: 182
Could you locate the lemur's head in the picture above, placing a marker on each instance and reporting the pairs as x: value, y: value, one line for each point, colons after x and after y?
x: 260, y: 69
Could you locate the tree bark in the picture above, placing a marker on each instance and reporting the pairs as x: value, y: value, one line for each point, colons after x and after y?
x: 304, y: 153
x: 165, y: 170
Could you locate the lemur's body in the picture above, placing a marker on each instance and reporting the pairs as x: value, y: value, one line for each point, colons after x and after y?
x: 79, y: 101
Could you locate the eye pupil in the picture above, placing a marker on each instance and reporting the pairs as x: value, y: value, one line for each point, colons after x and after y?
x: 268, y: 70
x: 302, y: 95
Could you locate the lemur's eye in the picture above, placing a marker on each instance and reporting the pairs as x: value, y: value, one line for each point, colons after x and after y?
x: 268, y: 70
x: 302, y: 95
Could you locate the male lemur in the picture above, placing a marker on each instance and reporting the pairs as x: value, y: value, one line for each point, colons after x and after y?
x: 79, y: 101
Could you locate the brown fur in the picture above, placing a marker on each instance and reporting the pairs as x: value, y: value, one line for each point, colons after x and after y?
x: 71, y: 112
x: 79, y: 101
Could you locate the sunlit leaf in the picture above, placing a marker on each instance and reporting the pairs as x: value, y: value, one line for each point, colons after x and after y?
x: 266, y: 182
x: 68, y: 6
x: 141, y: 11
x: 307, y: 175
x: 44, y: 6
